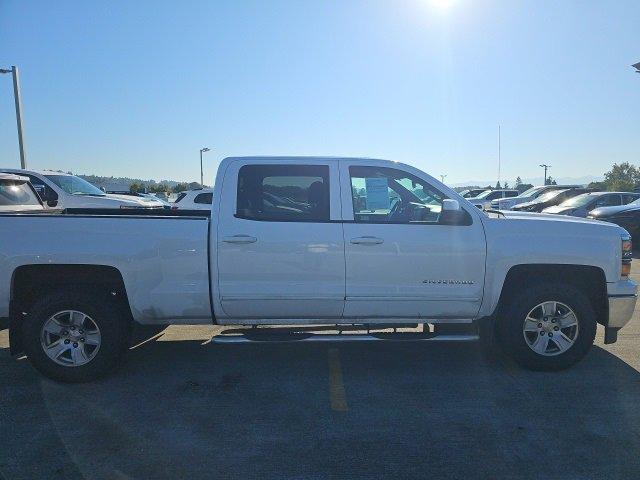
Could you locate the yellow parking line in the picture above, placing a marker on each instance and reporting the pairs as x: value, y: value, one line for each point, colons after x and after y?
x: 336, y: 387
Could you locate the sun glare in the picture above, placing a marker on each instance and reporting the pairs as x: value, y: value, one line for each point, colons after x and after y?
x: 442, y: 4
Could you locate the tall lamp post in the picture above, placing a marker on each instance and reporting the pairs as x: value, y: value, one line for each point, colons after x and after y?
x: 545, y: 166
x: 202, y: 150
x: 18, y: 101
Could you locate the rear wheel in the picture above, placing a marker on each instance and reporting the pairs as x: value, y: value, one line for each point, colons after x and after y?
x: 547, y: 327
x: 74, y: 336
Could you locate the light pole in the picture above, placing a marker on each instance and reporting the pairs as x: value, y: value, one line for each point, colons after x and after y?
x: 18, y: 101
x: 545, y: 166
x: 202, y: 150
x: 442, y: 177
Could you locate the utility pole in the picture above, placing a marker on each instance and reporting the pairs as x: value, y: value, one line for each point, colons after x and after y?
x: 18, y: 101
x: 499, y: 154
x: 202, y: 150
x: 545, y: 166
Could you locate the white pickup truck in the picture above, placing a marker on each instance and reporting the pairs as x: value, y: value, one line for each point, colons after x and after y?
x: 364, y: 246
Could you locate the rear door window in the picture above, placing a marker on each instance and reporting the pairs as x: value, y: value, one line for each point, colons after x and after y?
x: 205, y: 198
x: 608, y: 201
x: 293, y: 193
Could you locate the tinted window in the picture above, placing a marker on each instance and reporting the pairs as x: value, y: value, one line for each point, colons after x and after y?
x: 387, y: 195
x: 180, y: 197
x: 511, y: 194
x: 608, y: 201
x: 17, y: 193
x: 628, y: 198
x: 283, y: 192
x: 203, y: 198
x: 45, y: 191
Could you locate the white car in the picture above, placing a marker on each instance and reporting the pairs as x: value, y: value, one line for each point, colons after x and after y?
x: 18, y: 195
x: 62, y: 190
x: 194, y: 200
x: 528, y: 196
x: 486, y: 198
x: 310, y: 241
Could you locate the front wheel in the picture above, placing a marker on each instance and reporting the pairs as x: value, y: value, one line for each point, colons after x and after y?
x: 547, y: 327
x: 73, y: 335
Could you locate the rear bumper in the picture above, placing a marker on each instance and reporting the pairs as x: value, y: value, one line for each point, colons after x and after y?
x: 622, y: 302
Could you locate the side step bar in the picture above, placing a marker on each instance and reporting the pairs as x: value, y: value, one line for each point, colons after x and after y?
x: 315, y: 337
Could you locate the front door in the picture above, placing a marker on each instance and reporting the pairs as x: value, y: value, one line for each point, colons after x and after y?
x: 280, y: 244
x: 400, y: 261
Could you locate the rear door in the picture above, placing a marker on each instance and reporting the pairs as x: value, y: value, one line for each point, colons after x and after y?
x: 279, y: 241
x: 400, y: 261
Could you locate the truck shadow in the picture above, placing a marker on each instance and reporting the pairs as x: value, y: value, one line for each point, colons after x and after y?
x: 184, y: 409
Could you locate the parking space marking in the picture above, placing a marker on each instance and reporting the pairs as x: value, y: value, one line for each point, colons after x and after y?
x: 336, y: 387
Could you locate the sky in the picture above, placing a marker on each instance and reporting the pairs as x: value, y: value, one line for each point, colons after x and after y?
x: 137, y: 88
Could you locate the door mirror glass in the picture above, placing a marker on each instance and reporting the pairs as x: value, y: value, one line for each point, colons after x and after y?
x: 52, y: 203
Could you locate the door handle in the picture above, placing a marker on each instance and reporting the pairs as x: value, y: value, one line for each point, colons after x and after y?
x: 367, y: 240
x: 240, y: 239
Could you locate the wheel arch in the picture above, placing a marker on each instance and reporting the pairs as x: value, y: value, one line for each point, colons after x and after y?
x: 588, y: 278
x: 29, y: 282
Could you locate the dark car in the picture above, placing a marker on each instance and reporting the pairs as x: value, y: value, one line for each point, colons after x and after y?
x: 627, y: 216
x: 581, y: 205
x: 549, y: 199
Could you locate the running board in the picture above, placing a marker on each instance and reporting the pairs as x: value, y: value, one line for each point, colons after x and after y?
x: 315, y: 337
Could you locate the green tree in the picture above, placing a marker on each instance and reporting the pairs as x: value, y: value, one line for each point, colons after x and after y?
x: 597, y: 186
x: 518, y: 182
x: 180, y: 187
x: 523, y: 187
x: 623, y: 177
x: 498, y: 185
x: 136, y: 187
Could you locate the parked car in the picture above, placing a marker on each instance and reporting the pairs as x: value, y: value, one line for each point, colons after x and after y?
x: 581, y: 205
x: 63, y: 190
x: 486, y: 198
x: 627, y: 216
x: 199, y: 199
x: 473, y: 192
x: 289, y: 244
x: 528, y: 196
x: 549, y: 199
x: 149, y: 198
x: 18, y: 195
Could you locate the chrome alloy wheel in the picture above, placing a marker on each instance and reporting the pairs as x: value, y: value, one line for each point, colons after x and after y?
x: 551, y: 328
x: 70, y: 338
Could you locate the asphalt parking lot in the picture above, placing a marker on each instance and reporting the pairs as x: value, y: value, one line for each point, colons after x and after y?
x: 180, y: 407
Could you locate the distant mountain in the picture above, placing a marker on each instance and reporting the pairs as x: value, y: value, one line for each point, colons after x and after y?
x: 533, y: 181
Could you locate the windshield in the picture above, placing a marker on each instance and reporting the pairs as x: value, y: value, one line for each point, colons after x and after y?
x: 579, y: 201
x: 75, y: 185
x: 17, y: 193
x: 530, y: 192
x: 549, y: 195
x: 485, y: 194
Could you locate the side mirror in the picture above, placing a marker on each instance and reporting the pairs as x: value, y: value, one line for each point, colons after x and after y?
x: 52, y: 203
x: 453, y: 214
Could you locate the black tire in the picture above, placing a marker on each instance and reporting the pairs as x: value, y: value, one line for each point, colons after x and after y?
x: 105, y: 313
x: 517, y: 307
